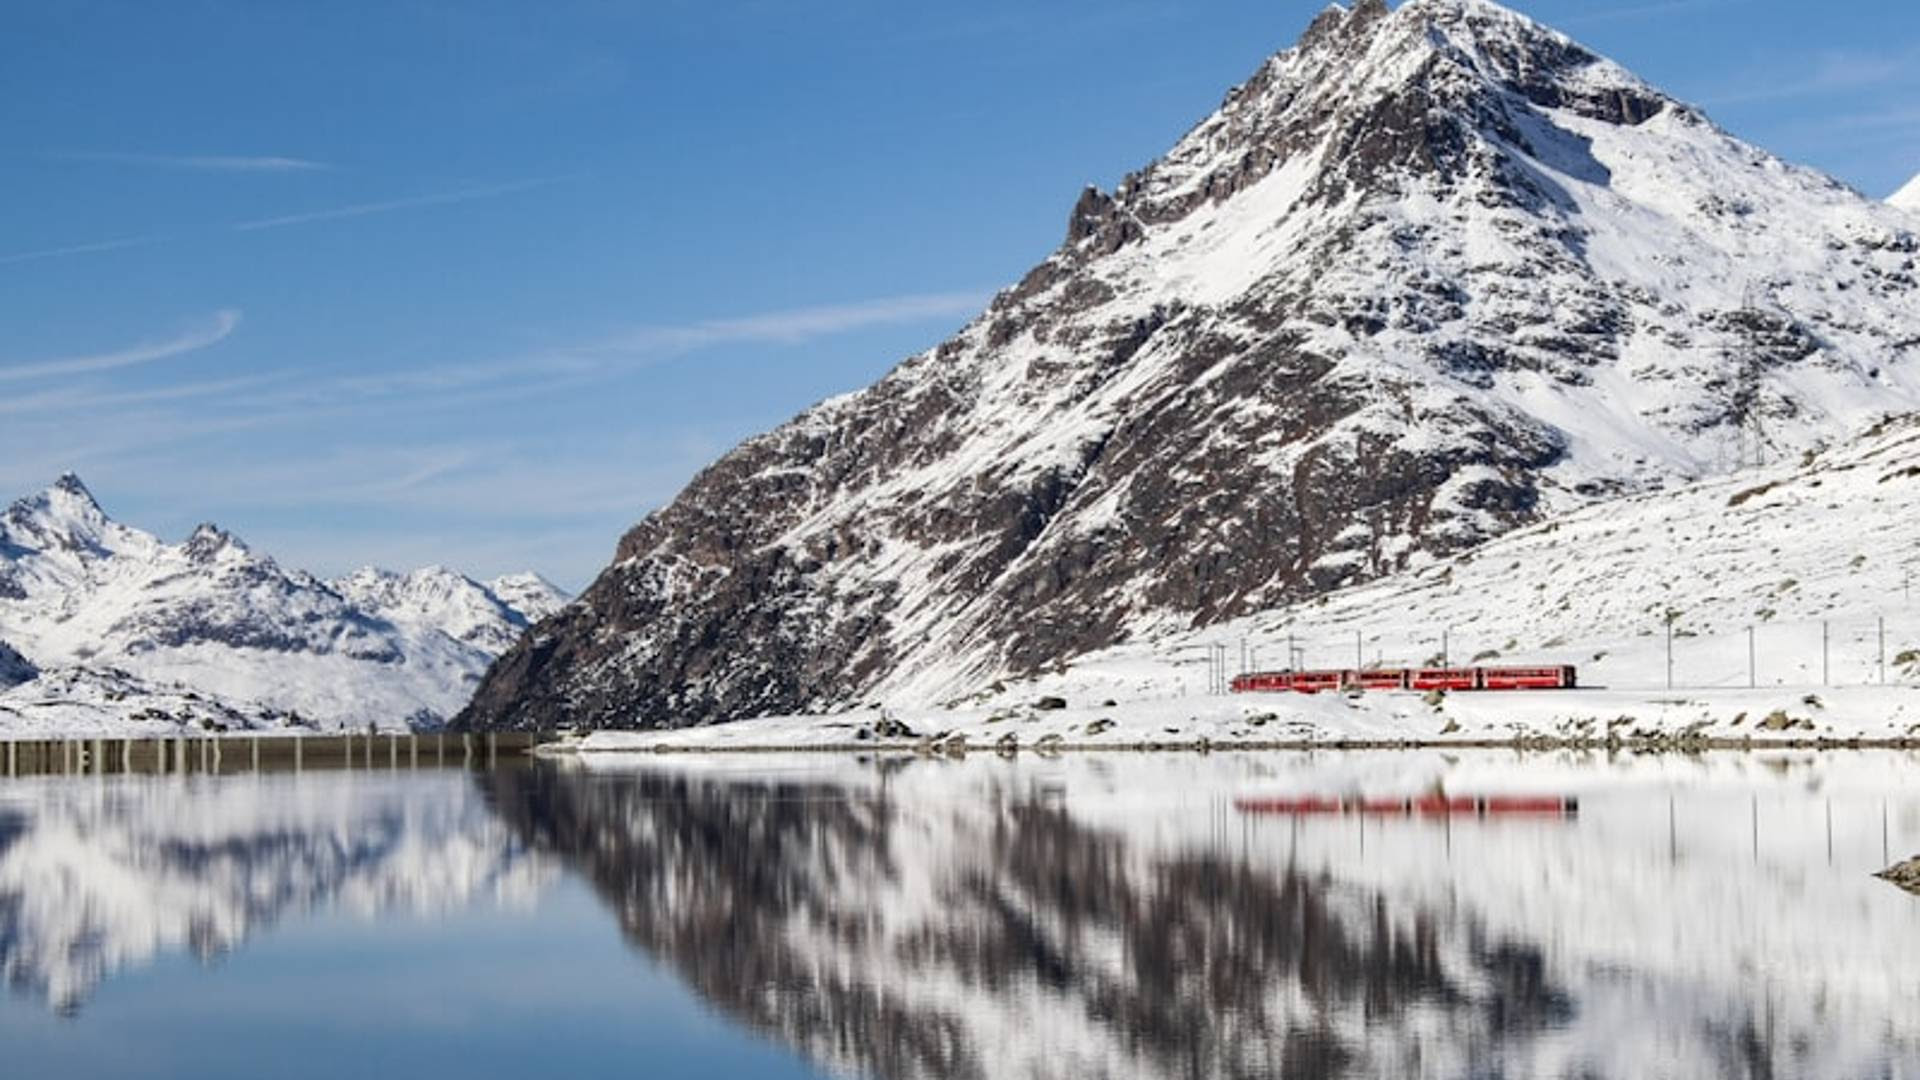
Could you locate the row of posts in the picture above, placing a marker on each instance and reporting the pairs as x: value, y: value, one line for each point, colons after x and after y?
x: 217, y: 754
x: 1219, y: 679
x: 1826, y: 653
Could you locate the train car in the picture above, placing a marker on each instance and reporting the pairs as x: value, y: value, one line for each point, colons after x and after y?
x: 1378, y: 680
x: 1528, y: 678
x: 1445, y: 679
x: 1319, y: 682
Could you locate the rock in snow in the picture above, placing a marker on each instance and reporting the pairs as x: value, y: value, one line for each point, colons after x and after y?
x: 1430, y: 275
x: 14, y: 668
x: 125, y: 629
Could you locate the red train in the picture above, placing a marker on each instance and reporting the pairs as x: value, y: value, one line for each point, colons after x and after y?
x: 1478, y: 678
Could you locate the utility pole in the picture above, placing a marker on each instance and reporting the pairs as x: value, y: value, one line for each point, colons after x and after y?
x: 1753, y: 678
x: 1670, y: 617
x: 1446, y: 651
x: 1883, y: 650
x: 1826, y: 669
x: 1359, y: 657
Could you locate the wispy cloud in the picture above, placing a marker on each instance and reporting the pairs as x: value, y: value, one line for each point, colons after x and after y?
x: 797, y: 325
x: 213, y: 331
x: 68, y: 401
x: 78, y: 249
x: 1829, y: 73
x: 441, y: 198
x: 200, y: 162
x: 1647, y: 11
x: 558, y: 367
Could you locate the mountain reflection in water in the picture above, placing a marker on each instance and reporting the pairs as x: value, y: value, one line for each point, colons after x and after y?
x: 1090, y: 918
x: 1307, y: 915
x: 102, y: 875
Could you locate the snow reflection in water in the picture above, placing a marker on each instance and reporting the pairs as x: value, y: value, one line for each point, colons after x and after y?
x: 1385, y: 915
x: 1127, y: 917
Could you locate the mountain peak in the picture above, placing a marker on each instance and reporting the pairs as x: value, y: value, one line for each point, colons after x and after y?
x: 1908, y: 198
x: 71, y: 484
x: 1432, y: 274
x: 70, y: 494
x: 65, y: 515
x: 208, y: 541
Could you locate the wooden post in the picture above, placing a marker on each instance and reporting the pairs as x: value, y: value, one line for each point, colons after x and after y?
x: 1669, y: 650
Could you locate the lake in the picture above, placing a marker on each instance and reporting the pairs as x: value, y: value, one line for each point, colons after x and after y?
x: 1419, y: 914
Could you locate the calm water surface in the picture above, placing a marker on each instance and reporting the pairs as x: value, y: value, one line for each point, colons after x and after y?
x: 1375, y: 915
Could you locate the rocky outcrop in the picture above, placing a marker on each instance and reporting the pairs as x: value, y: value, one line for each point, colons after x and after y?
x: 1429, y: 275
x: 14, y: 668
x: 1906, y: 875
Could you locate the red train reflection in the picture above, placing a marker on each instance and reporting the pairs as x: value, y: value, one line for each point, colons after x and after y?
x: 1551, y: 806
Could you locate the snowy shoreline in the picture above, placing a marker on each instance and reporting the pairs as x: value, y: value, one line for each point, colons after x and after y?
x: 1769, y: 719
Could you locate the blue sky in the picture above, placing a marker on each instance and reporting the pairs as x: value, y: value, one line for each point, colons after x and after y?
x: 482, y: 282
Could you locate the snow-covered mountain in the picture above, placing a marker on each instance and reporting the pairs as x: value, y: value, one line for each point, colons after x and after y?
x: 1908, y: 198
x: 533, y: 597
x: 125, y: 628
x: 1430, y: 275
x: 436, y: 598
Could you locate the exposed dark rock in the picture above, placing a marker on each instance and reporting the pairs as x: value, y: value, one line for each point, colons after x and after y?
x: 1906, y: 875
x: 14, y: 668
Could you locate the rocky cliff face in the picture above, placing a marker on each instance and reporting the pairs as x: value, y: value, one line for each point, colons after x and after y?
x: 1431, y: 274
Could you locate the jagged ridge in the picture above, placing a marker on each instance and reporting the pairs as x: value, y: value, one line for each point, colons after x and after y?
x: 114, y: 626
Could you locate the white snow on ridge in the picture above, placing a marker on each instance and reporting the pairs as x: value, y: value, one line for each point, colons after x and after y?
x: 1907, y: 198
x: 135, y: 636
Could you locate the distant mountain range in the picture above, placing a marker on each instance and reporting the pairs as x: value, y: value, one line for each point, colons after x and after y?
x: 104, y: 627
x: 1434, y: 274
